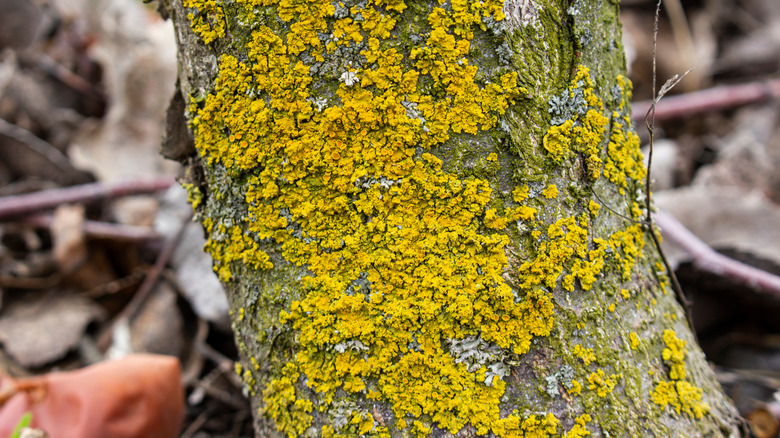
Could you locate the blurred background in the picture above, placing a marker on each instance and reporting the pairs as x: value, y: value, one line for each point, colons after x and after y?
x: 84, y: 88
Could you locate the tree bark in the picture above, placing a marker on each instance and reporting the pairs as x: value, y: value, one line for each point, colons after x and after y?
x: 427, y: 218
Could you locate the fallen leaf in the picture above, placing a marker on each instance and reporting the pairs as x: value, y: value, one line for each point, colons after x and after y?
x: 36, y: 332
x: 67, y: 230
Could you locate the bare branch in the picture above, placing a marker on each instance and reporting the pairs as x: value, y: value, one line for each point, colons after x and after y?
x: 707, y: 259
x: 18, y: 205
x: 716, y: 98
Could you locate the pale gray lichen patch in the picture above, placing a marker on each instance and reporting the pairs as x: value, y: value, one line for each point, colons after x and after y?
x: 476, y: 353
x: 352, y: 345
x: 569, y: 104
x: 563, y: 376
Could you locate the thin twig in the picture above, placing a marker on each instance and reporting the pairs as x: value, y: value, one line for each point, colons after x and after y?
x: 650, y: 124
x: 36, y: 144
x: 712, y: 99
x: 622, y: 216
x: 197, y: 423
x: 69, y: 78
x: 147, y: 286
x: 707, y: 259
x: 99, y: 230
x: 17, y: 205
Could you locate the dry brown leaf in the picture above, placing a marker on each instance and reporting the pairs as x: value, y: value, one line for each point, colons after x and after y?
x: 139, y: 81
x: 67, y: 231
x: 157, y: 328
x: 36, y: 332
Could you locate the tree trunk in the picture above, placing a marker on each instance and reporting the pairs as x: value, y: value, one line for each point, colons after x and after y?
x: 426, y: 216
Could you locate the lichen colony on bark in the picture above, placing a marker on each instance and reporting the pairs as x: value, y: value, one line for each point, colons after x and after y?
x: 405, y: 200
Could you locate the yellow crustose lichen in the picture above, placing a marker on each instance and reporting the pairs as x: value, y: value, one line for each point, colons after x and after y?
x: 624, y: 159
x: 584, y: 133
x: 585, y: 354
x: 601, y: 383
x: 678, y: 393
x: 235, y: 245
x: 579, y: 430
x: 402, y: 255
x: 576, y: 387
x: 208, y: 19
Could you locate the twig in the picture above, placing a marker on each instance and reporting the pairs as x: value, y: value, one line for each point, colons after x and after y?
x: 69, y: 78
x: 721, y: 97
x: 147, y: 286
x: 18, y: 205
x: 197, y: 423
x: 193, y: 365
x: 224, y: 364
x: 11, y: 282
x: 616, y: 213
x: 707, y: 259
x: 115, y: 286
x: 650, y: 124
x: 99, y: 230
x: 34, y: 142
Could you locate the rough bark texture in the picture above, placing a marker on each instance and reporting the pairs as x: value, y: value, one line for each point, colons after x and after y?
x: 425, y: 215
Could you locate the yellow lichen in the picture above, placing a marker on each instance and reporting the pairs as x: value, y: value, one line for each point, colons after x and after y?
x: 208, y: 21
x: 630, y: 243
x: 249, y: 381
x: 584, y: 133
x: 194, y: 195
x: 679, y: 393
x: 634, y: 340
x: 674, y: 355
x: 576, y: 387
x: 520, y: 193
x: 601, y: 383
x: 539, y: 427
x: 291, y: 413
x: 585, y: 354
x: 550, y: 192
x: 558, y: 140
x: 624, y: 159
x: 579, y: 430
x: 228, y: 245
x: 594, y: 208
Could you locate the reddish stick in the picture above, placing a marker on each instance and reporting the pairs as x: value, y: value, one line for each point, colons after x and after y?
x: 721, y: 97
x: 707, y: 259
x: 17, y: 205
x: 99, y: 230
